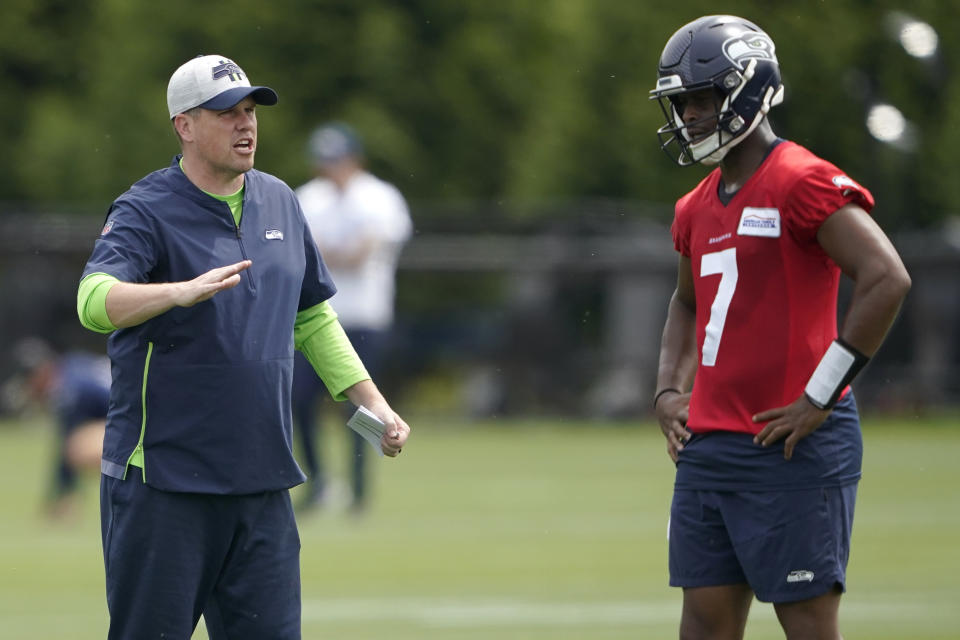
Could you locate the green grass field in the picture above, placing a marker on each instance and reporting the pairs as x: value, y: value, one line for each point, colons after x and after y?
x: 516, y: 530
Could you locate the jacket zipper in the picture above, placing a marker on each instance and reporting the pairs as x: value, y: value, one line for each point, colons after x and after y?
x: 243, y: 252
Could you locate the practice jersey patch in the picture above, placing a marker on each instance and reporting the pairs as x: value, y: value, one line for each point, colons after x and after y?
x: 759, y: 221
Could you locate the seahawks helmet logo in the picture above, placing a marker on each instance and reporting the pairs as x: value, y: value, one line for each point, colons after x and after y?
x: 750, y: 44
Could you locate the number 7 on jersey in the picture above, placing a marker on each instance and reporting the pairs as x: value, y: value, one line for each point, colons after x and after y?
x: 723, y: 263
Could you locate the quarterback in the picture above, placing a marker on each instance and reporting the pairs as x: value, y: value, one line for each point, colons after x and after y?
x: 753, y: 391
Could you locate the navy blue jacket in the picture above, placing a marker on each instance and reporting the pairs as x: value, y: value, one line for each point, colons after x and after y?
x: 205, y: 390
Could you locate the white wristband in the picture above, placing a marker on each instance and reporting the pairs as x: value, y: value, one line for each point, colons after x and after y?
x: 837, y: 368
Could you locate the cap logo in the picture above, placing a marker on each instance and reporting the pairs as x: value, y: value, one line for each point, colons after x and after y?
x: 749, y: 44
x: 228, y: 68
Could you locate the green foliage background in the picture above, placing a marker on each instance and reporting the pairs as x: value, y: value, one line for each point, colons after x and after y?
x: 491, y: 100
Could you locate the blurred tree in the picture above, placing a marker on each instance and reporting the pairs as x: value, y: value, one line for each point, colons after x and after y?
x: 516, y: 101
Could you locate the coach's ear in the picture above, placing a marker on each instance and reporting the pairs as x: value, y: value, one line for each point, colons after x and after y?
x: 183, y: 124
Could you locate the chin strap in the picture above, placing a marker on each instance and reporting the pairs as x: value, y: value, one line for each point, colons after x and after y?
x: 724, y: 141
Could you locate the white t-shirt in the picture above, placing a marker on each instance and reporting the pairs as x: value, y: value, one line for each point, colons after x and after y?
x: 367, y: 209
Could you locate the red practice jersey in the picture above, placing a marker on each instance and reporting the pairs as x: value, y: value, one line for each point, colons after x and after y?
x: 766, y: 292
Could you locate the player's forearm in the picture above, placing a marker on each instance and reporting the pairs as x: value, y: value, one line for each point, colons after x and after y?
x: 129, y: 304
x: 678, y: 348
x: 856, y: 243
x: 874, y: 305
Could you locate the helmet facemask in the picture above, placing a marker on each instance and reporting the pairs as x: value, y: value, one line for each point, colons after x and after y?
x: 730, y: 126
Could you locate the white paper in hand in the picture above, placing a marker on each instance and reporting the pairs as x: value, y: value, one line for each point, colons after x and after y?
x: 364, y: 422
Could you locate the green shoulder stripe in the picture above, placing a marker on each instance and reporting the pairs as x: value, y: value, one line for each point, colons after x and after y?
x: 136, y: 458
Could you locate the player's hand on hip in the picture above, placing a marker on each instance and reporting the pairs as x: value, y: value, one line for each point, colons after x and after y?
x: 793, y: 422
x: 673, y: 409
x: 208, y: 284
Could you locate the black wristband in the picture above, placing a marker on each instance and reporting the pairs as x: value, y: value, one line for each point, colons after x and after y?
x: 661, y: 392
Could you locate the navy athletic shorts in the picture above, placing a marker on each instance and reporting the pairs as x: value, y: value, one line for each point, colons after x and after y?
x: 171, y: 557
x: 787, y: 545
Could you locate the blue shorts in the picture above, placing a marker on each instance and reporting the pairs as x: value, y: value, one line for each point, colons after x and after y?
x: 787, y: 545
x: 171, y: 557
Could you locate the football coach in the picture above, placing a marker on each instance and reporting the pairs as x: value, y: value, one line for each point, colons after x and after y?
x: 206, y: 278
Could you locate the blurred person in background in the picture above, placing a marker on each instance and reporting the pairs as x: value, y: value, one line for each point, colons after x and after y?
x: 197, y: 456
x: 75, y: 386
x: 752, y: 389
x: 360, y: 224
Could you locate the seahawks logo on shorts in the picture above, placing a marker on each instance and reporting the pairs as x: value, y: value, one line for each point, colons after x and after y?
x: 750, y: 44
x: 802, y: 575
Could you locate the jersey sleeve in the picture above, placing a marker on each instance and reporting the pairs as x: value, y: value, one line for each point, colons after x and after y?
x: 127, y: 248
x: 818, y: 193
x: 680, y: 229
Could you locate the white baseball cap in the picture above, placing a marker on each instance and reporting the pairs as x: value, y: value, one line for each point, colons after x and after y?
x: 212, y: 82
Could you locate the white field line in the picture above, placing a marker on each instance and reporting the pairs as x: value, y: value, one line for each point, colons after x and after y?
x: 487, y: 612
x: 446, y: 612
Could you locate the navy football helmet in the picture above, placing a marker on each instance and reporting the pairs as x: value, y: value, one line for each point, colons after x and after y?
x: 736, y: 59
